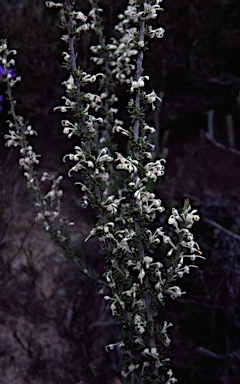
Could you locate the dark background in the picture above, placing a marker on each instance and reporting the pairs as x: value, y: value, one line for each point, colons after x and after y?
x: 196, y: 68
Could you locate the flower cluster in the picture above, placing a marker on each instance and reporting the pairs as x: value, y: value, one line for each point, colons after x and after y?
x: 10, y: 73
x: 127, y: 47
x: 6, y: 70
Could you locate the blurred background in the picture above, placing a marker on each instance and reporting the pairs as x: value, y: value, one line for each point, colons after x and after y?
x: 195, y: 69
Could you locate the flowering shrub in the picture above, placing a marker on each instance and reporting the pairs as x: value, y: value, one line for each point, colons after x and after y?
x: 137, y: 281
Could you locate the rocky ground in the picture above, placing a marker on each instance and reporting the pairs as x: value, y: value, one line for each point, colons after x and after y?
x: 53, y: 324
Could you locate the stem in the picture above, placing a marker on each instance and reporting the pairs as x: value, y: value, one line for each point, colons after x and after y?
x: 136, y: 128
x: 139, y: 73
x: 73, y: 59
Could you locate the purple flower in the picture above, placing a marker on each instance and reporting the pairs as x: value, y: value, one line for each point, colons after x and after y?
x: 10, y: 71
x: 2, y: 71
x: 1, y: 99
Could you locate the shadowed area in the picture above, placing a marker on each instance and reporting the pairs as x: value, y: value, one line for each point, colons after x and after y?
x: 54, y: 324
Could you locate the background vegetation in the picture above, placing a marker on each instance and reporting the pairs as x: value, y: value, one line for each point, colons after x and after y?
x: 196, y: 68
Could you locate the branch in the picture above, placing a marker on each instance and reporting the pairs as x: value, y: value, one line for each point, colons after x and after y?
x: 218, y: 226
x: 219, y: 145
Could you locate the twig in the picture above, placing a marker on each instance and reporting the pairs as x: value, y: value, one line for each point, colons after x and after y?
x: 22, y: 243
x: 221, y: 228
x: 219, y: 145
x: 5, y: 228
x: 233, y: 355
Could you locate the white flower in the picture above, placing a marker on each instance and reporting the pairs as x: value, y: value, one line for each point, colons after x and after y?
x: 153, y: 352
x: 51, y: 4
x: 154, y: 170
x: 112, y: 346
x: 139, y: 83
x: 171, y: 379
x: 160, y: 296
x: 175, y: 292
x: 159, y: 32
x: 150, y: 129
x: 115, y: 299
x: 119, y: 129
x: 80, y: 16
x: 131, y: 368
x: 84, y: 27
x: 141, y: 275
x: 127, y: 164
x: 152, y: 97
x: 139, y: 323
x: 147, y: 260
x: 69, y: 84
x: 90, y: 78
